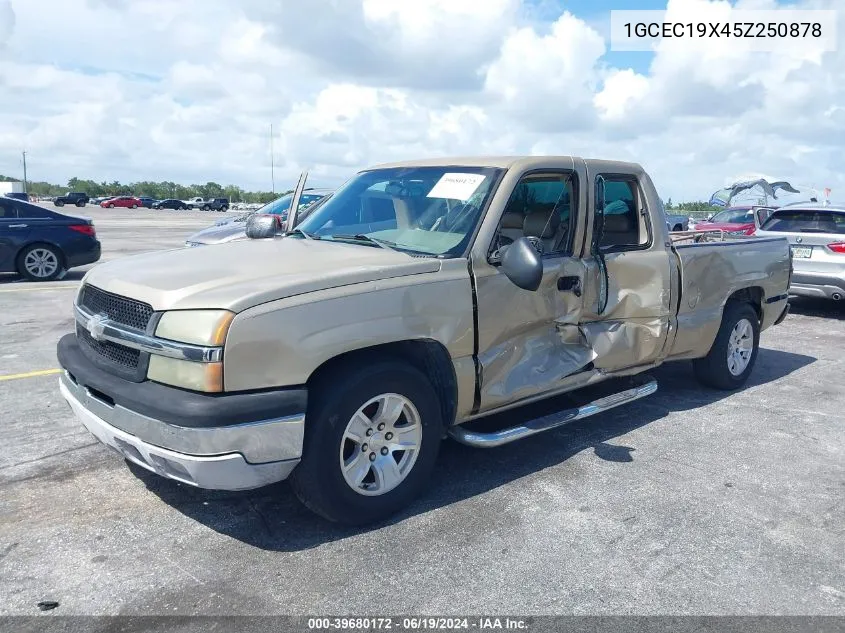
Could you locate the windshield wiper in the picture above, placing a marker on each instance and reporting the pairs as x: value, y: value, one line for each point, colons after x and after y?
x: 360, y: 237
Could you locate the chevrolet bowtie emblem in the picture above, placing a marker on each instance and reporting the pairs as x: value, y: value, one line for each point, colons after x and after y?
x: 96, y: 325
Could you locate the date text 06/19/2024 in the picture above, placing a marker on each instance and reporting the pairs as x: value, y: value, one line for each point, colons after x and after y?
x: 417, y: 623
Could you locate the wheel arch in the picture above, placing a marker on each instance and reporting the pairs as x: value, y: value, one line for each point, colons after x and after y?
x: 427, y: 355
x: 752, y: 295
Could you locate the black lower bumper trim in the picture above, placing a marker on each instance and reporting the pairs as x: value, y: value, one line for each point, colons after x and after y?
x: 179, y: 406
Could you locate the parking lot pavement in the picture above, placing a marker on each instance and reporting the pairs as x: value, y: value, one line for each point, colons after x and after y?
x: 688, y: 502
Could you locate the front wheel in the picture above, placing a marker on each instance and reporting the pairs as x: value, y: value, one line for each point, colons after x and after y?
x: 372, y: 436
x: 110, y: 206
x: 731, y: 358
x: 80, y: 204
x: 133, y: 206
x: 59, y: 203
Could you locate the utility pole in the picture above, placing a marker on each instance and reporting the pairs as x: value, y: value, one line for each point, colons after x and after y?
x: 24, y: 173
x: 272, y: 162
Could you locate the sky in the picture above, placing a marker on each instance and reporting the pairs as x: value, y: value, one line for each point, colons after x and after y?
x: 187, y: 91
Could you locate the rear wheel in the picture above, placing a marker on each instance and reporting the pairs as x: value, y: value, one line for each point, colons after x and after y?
x: 59, y: 203
x: 133, y: 206
x: 371, y: 440
x: 729, y: 363
x: 81, y: 203
x: 41, y: 262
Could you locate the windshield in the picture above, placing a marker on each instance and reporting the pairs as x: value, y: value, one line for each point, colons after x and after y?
x: 429, y: 210
x: 734, y: 216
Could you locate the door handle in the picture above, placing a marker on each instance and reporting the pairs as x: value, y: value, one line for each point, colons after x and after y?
x: 570, y: 284
x: 18, y: 226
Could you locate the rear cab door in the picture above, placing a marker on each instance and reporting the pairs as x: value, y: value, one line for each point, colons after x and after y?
x: 529, y: 343
x: 634, y: 326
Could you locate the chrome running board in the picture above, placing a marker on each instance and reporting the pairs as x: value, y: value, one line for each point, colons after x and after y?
x: 551, y: 421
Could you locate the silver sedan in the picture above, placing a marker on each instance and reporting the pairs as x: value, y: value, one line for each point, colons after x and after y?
x: 816, y: 234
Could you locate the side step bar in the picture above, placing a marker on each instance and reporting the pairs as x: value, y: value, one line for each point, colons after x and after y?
x: 551, y: 421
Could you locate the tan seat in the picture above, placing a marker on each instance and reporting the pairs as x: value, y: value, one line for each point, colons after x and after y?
x: 512, y: 225
x: 543, y: 225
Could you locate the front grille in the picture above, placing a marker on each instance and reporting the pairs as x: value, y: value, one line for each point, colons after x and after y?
x: 117, y: 354
x: 129, y: 312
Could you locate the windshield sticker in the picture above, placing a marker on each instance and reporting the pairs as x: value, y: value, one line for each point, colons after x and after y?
x: 456, y: 186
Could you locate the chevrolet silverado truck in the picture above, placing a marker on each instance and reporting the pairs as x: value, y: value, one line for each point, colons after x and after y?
x: 418, y: 300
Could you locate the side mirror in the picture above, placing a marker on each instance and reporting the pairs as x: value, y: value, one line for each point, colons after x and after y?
x: 260, y: 226
x: 522, y: 264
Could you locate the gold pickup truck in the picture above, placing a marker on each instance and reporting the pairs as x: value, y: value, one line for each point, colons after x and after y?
x: 418, y: 299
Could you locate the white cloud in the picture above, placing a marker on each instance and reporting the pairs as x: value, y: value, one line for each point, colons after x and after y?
x: 186, y: 91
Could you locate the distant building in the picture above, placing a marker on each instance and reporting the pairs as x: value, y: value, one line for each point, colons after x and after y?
x: 10, y: 187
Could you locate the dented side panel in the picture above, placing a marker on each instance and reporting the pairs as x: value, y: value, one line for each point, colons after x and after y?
x: 528, y: 341
x: 635, y: 325
x: 711, y: 273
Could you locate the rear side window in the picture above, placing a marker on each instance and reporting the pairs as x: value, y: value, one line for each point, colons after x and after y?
x: 7, y: 208
x: 622, y: 226
x: 806, y: 221
x: 33, y: 212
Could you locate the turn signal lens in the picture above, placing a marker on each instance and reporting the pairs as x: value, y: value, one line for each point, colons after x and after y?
x: 207, y: 377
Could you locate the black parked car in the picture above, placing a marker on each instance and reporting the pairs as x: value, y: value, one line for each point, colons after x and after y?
x: 219, y: 204
x: 170, y: 203
x: 147, y: 202
x: 41, y: 244
x: 17, y: 195
x: 72, y: 197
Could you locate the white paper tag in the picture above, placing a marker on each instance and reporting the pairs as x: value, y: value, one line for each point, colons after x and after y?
x: 456, y: 186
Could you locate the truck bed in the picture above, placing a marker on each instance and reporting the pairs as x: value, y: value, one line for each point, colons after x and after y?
x: 712, y: 267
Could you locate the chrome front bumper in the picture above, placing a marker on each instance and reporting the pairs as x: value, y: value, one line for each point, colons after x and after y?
x: 237, y: 457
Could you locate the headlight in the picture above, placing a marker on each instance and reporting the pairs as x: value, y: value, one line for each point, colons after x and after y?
x: 206, y: 377
x: 199, y: 327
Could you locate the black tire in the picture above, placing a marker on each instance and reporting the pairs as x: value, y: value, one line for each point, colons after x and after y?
x: 59, y: 203
x: 31, y: 276
x: 318, y: 480
x: 677, y: 227
x: 713, y: 370
x: 206, y: 208
x: 80, y: 204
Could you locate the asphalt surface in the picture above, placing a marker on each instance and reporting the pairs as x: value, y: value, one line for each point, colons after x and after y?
x: 688, y: 502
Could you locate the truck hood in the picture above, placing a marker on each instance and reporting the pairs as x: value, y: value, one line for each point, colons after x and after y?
x: 242, y: 274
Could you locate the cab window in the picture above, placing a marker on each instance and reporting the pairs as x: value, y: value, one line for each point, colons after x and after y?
x: 624, y: 226
x: 541, y: 207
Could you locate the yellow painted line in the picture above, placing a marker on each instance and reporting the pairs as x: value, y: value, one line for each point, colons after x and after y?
x: 30, y: 288
x: 31, y: 374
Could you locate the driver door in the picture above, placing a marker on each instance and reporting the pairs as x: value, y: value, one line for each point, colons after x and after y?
x: 529, y: 342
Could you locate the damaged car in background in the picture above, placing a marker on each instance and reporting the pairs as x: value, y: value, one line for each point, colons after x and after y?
x: 418, y: 300
x: 231, y: 229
